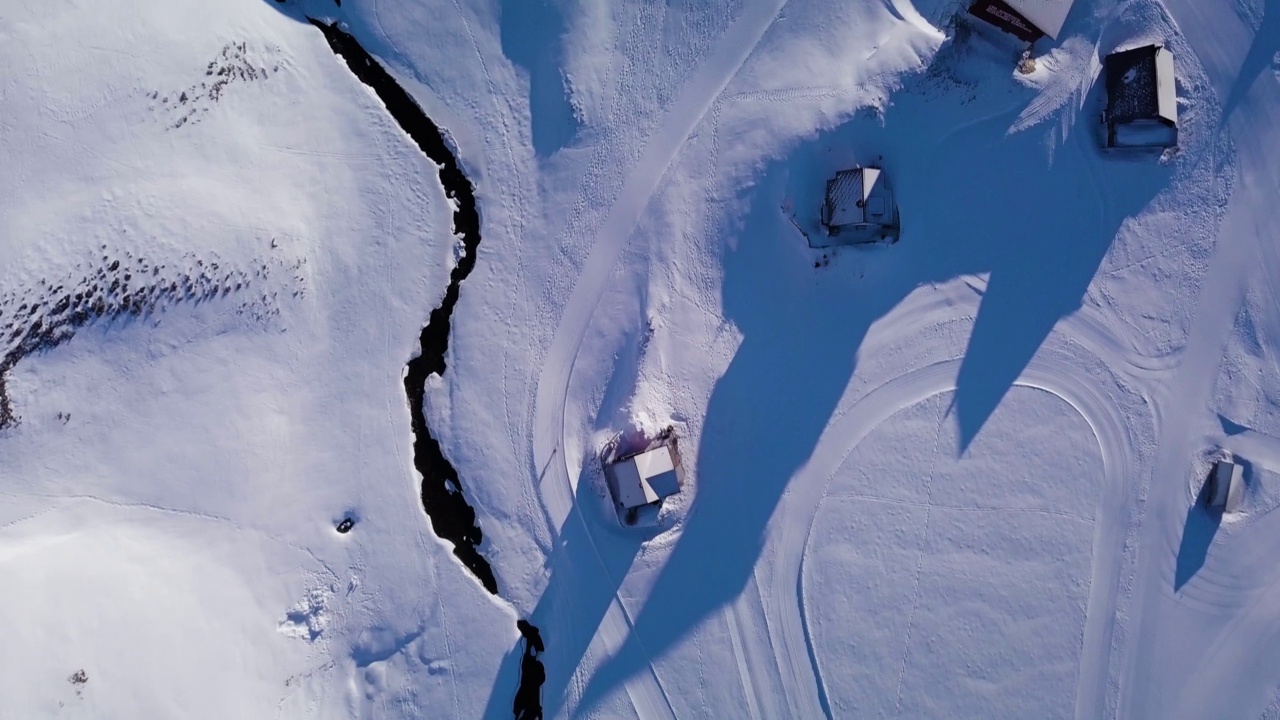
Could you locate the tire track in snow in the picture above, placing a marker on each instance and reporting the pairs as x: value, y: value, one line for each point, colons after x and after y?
x: 802, y: 685
x: 942, y: 304
x: 556, y: 483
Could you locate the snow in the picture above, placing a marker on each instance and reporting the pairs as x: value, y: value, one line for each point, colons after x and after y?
x: 1048, y: 15
x: 1013, y: 518
x: 645, y: 478
x: 172, y: 491
x: 1145, y: 134
x: 974, y: 457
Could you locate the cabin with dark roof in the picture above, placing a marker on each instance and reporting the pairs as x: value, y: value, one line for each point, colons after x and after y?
x: 1142, y: 99
x: 859, y: 208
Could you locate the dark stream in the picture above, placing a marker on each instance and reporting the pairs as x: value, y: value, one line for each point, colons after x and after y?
x: 452, y: 518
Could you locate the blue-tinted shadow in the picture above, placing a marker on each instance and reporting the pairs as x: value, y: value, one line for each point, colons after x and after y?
x: 1197, y: 535
x: 1037, y: 215
x: 1261, y: 55
x: 800, y: 333
x: 531, y: 35
x: 587, y: 565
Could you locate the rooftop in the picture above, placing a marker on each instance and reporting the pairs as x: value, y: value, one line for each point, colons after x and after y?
x: 645, y: 478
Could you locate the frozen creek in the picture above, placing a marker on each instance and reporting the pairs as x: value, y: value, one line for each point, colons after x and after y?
x: 452, y: 518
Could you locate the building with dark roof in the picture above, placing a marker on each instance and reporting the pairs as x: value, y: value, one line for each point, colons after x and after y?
x: 1142, y: 99
x: 859, y: 208
x: 1226, y: 486
x: 1027, y: 20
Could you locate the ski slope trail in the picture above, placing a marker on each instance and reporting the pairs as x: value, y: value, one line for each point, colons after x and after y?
x: 697, y: 97
x: 876, y: 407
x: 1169, y: 673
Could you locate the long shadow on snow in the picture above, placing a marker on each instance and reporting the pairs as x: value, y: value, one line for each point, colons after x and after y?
x: 1197, y: 535
x: 1040, y: 232
x: 763, y: 420
x: 531, y: 34
x: 976, y: 200
x: 1261, y: 55
x: 587, y: 565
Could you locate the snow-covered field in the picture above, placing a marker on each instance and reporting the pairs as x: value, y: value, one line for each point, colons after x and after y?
x: 952, y: 477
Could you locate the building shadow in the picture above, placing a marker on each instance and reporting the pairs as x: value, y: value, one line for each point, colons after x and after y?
x: 588, y: 562
x: 1197, y: 535
x: 1261, y: 55
x: 800, y: 333
x: 1036, y: 214
x: 1034, y: 210
x: 499, y: 706
x: 1230, y: 427
x: 531, y: 33
x: 1040, y: 227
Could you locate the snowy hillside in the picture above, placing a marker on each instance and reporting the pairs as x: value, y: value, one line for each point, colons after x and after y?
x: 315, y: 319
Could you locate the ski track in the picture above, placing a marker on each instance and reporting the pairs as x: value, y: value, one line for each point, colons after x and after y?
x: 557, y: 486
x: 744, y: 673
x: 1153, y: 681
x: 945, y: 303
x: 952, y: 302
x: 1053, y: 376
x: 697, y: 97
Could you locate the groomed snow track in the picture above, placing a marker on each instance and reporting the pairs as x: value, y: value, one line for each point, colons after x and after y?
x: 557, y: 486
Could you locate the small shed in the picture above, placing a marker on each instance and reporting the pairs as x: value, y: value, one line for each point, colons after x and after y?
x: 644, y: 478
x: 859, y: 208
x: 1142, y: 99
x: 1027, y: 20
x: 1225, y: 486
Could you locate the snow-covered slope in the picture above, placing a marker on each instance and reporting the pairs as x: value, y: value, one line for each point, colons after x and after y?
x: 171, y: 492
x: 950, y: 477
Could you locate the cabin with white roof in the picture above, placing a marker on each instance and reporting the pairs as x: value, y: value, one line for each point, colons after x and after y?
x: 644, y: 479
x: 1225, y: 486
x: 1142, y: 99
x: 1026, y: 20
x: 859, y: 208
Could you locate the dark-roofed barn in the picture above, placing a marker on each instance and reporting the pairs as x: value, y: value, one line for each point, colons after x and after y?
x: 1142, y: 100
x: 859, y: 208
